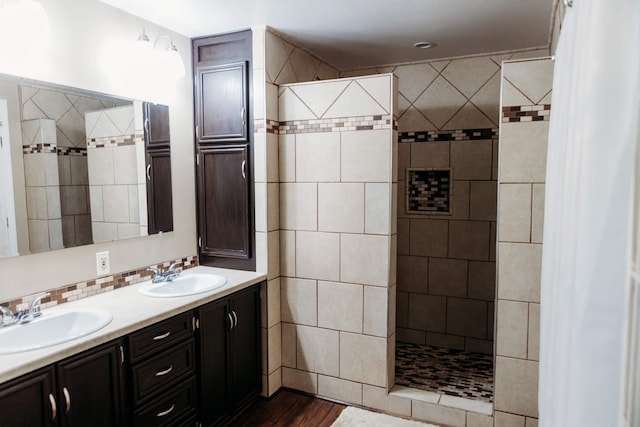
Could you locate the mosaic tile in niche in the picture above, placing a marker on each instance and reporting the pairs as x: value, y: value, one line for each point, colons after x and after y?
x: 428, y: 191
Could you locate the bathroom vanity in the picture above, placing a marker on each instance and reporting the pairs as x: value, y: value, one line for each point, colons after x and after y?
x: 161, y: 361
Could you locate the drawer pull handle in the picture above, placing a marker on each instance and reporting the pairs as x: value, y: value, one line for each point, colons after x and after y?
x: 167, y: 412
x: 165, y: 372
x: 161, y: 337
x: 67, y: 398
x: 230, y: 321
x: 54, y: 410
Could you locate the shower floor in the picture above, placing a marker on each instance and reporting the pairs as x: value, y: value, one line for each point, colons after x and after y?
x: 442, y: 370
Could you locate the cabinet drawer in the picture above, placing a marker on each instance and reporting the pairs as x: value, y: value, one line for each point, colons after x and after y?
x: 170, y: 408
x: 165, y: 334
x: 163, y: 369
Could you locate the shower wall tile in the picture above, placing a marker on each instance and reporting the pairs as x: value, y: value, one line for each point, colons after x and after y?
x: 315, y: 157
x: 512, y: 334
x: 365, y: 259
x: 365, y: 156
x: 341, y: 207
x: 341, y: 390
x: 318, y: 350
x: 447, y: 277
x: 309, y: 263
x: 537, y: 213
x: 515, y: 213
x: 340, y: 306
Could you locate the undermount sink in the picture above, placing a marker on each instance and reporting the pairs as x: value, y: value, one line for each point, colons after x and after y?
x: 53, y: 327
x: 181, y: 286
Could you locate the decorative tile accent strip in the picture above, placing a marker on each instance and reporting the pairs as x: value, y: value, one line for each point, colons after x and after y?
x: 339, y: 124
x: 441, y: 370
x: 39, y: 148
x: 273, y: 126
x: 449, y: 135
x: 115, y: 141
x: 97, y: 286
x: 526, y: 113
x: 72, y: 151
x: 428, y: 191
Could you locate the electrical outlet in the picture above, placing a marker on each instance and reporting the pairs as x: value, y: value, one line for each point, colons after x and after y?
x: 102, y: 263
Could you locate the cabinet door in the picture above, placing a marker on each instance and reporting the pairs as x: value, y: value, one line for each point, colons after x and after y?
x: 29, y: 400
x: 215, y: 324
x: 156, y: 125
x: 159, y: 198
x: 223, y: 200
x: 90, y: 387
x: 245, y: 346
x: 221, y: 104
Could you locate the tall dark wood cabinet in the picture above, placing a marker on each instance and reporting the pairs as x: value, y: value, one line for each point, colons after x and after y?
x: 224, y: 150
x: 82, y: 390
x: 158, y: 167
x: 229, y: 355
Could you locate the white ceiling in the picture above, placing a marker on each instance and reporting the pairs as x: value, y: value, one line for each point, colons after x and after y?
x: 362, y: 33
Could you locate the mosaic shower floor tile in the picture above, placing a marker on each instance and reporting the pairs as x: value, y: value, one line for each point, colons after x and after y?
x: 442, y: 370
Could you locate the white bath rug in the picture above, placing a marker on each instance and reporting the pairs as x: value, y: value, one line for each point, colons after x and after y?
x: 356, y: 417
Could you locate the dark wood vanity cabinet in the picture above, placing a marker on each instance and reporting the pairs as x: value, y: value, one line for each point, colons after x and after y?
x: 229, y: 355
x: 86, y: 389
x: 224, y: 149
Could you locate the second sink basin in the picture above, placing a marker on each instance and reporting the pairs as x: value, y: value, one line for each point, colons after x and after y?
x: 53, y: 327
x: 189, y: 284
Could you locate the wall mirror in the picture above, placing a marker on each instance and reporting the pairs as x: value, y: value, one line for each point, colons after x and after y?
x: 79, y: 167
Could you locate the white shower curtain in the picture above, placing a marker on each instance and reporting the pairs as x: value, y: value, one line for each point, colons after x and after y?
x: 592, y: 141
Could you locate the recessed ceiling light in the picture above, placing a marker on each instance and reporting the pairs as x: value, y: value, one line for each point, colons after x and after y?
x: 424, y: 45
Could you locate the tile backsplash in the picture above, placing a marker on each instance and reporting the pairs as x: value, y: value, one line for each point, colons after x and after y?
x: 88, y: 288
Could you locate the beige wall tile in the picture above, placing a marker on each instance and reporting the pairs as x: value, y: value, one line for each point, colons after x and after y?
x: 273, y: 206
x: 100, y: 163
x: 364, y: 259
x: 377, y: 305
x: 495, y: 162
x: 260, y: 157
x: 273, y: 240
x: 272, y: 158
x: 289, y: 345
x: 410, y: 336
x: 274, y: 336
x: 273, y: 302
x: 310, y: 264
x: 403, y: 236
x: 300, y: 380
x: 531, y: 422
x: 377, y: 398
x: 394, y: 208
x: 260, y: 201
x: 516, y: 386
x: 116, y: 203
x: 366, y: 156
x: 319, y: 97
x: 471, y: 159
x: 447, y: 277
x: 287, y: 253
x: 483, y: 200
x: 493, y: 241
x: 429, y: 237
x: 503, y: 419
x: 275, y: 382
x: 429, y: 154
x: 290, y: 106
x: 427, y: 312
x: 341, y: 207
x: 299, y: 206
x: 469, y: 240
x: 477, y: 420
x: 340, y: 306
x: 392, y: 305
x: 482, y: 280
x: 402, y: 309
x: 480, y: 346
x: 355, y: 101
x: 318, y: 157
x: 523, y: 152
x: 363, y: 359
x: 341, y: 390
x: 287, y: 158
x: 460, y: 200
x: 438, y: 414
x: 299, y: 301
x: 515, y: 213
x: 124, y: 165
x: 404, y: 159
x: 318, y: 350
x: 533, y: 349
x: 466, y: 404
x: 537, y: 213
x: 413, y: 273
x: 533, y: 78
x: 511, y: 334
x: 393, y: 262
x: 378, y: 208
x: 467, y: 317
x: 519, y: 271
x: 444, y: 340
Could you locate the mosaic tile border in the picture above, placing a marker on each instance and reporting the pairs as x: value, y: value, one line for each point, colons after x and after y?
x: 448, y: 135
x: 96, y: 286
x: 39, y: 148
x: 337, y: 124
x: 117, y: 141
x: 72, y: 151
x: 526, y: 113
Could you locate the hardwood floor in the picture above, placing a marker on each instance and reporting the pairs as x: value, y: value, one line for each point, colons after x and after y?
x: 289, y: 408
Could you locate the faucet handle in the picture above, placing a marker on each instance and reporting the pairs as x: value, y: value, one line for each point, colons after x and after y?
x: 8, y: 317
x: 34, y: 307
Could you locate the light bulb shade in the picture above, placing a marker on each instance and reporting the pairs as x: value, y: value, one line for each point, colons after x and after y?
x: 173, y: 61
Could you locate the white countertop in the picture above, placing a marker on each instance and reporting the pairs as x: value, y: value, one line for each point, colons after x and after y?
x: 131, y: 311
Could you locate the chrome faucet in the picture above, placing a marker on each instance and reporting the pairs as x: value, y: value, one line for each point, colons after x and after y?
x: 165, y: 276
x: 23, y: 316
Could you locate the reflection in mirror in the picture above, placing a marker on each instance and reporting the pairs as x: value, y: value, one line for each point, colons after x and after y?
x: 78, y: 167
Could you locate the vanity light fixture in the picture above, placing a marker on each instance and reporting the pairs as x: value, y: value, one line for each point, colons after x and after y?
x: 169, y: 58
x: 424, y: 45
